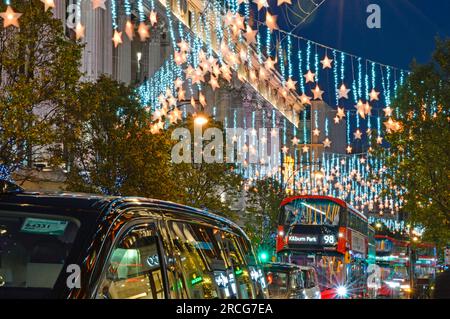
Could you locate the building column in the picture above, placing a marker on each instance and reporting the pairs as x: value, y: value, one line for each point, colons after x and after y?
x: 123, y: 61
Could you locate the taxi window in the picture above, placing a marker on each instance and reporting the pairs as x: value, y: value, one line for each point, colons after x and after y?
x: 200, y: 259
x: 134, y: 267
x: 34, y: 248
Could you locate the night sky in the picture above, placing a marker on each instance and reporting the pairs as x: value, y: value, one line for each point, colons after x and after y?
x: 408, y: 28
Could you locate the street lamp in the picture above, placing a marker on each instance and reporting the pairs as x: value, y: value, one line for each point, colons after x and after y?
x: 200, y: 120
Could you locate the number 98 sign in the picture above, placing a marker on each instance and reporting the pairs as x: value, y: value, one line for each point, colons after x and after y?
x: 329, y: 239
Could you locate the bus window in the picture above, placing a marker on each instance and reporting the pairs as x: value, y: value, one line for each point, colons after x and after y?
x: 199, y: 257
x: 133, y: 270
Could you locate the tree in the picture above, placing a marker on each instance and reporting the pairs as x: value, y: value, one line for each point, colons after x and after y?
x: 212, y: 186
x: 40, y: 72
x: 418, y: 161
x: 112, y: 149
x: 264, y: 200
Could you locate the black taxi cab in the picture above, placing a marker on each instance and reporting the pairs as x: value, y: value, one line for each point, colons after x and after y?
x: 69, y: 245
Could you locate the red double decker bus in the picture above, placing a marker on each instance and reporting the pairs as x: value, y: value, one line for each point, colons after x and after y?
x: 330, y: 235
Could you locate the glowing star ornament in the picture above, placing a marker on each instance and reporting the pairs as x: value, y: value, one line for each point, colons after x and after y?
x: 309, y: 76
x: 183, y: 45
x: 178, y: 83
x: 336, y: 120
x: 117, y: 38
x: 326, y: 62
x: 374, y: 95
x: 98, y: 4
x: 343, y: 92
x: 261, y: 4
x: 250, y: 35
x: 280, y: 2
x: 129, y: 30
x: 326, y: 143
x: 285, y: 149
x: 10, y: 17
x: 79, y: 31
x: 48, y: 4
x: 214, y: 83
x: 360, y: 107
x: 317, y: 92
x: 271, y: 21
x: 340, y: 112
x: 295, y: 141
x: 387, y: 111
x: 181, y: 94
x: 290, y: 84
x: 269, y: 64
x: 357, y: 134
x: 202, y: 99
x: 349, y: 149
x: 143, y: 31
x: 179, y: 57
x: 153, y: 18
x: 305, y: 99
x: 305, y: 149
x: 379, y: 140
x: 316, y: 132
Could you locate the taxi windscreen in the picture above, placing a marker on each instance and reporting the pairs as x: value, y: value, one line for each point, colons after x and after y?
x: 34, y: 248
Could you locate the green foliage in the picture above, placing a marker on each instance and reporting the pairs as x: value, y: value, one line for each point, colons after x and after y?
x: 214, y: 186
x: 418, y: 162
x: 40, y: 72
x: 111, y: 148
x: 264, y: 199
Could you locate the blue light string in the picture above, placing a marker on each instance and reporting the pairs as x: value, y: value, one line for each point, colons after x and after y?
x: 140, y: 7
x: 114, y: 14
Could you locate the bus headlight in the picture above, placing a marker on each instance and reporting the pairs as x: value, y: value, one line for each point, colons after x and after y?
x: 341, y: 291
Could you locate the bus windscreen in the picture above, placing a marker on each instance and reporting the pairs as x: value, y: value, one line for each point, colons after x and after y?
x: 309, y: 211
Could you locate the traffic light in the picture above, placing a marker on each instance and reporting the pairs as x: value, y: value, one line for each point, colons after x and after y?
x: 263, y: 256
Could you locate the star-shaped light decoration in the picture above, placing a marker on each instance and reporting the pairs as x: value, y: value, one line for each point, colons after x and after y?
x: 305, y: 99
x: 316, y: 132
x: 242, y: 1
x: 326, y: 62
x: 153, y: 18
x: 98, y: 4
x: 387, y: 111
x: 379, y: 140
x: 143, y: 31
x: 309, y: 76
x: 181, y: 94
x: 290, y: 84
x: 317, y: 93
x: 214, y: 83
x: 202, y: 99
x: 271, y: 21
x: 239, y: 21
x: 228, y: 19
x: 336, y: 120
x: 175, y: 115
x: 262, y: 74
x: 280, y: 2
x: 357, y: 134
x: 295, y: 140
x: 374, y: 95
x: 10, y: 17
x: 326, y: 142
x: 305, y: 149
x: 349, y: 149
x: 117, y: 38
x: 261, y: 4
x: 178, y: 83
x: 392, y: 125
x: 79, y: 31
x: 48, y: 4
x: 269, y: 64
x: 285, y: 149
x: 179, y: 57
x: 183, y: 45
x: 340, y: 112
x: 250, y: 35
x: 343, y: 91
x: 367, y: 109
x: 129, y: 30
x: 360, y: 107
